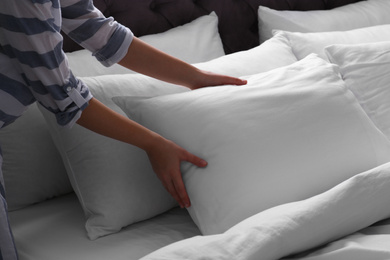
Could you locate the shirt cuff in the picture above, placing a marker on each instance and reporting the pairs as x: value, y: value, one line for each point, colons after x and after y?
x: 116, y: 48
x: 80, y: 96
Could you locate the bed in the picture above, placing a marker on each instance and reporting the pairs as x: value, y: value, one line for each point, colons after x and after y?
x: 298, y: 159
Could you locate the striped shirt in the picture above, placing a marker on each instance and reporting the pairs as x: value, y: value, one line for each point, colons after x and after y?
x: 33, y: 66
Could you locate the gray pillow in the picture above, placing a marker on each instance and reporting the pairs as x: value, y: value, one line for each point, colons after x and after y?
x: 32, y: 167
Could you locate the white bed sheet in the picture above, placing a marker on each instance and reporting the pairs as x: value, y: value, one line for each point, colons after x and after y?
x: 55, y: 230
x: 371, y: 243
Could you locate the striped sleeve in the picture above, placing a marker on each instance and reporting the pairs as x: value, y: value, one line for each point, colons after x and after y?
x: 86, y: 25
x: 30, y: 42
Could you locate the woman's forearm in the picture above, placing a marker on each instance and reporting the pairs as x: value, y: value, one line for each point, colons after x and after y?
x: 102, y: 120
x: 147, y: 60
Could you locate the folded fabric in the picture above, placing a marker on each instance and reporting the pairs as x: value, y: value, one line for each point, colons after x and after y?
x: 291, y: 228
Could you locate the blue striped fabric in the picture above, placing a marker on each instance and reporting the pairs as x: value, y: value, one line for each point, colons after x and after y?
x: 33, y: 66
x: 32, y: 63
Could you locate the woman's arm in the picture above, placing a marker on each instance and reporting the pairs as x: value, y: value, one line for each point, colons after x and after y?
x: 164, y: 155
x: 147, y: 60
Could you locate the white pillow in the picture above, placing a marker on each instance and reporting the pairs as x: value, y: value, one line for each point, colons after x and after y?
x: 347, y: 17
x: 32, y: 167
x: 114, y: 181
x: 274, y: 53
x: 197, y: 41
x: 290, y: 134
x: 365, y: 69
x: 304, y: 44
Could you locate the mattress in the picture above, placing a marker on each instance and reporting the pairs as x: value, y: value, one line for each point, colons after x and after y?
x: 55, y: 230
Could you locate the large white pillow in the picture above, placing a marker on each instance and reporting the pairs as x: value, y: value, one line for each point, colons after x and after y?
x: 365, y: 69
x: 114, y: 181
x: 347, y: 17
x: 304, y: 44
x: 290, y: 134
x: 197, y: 41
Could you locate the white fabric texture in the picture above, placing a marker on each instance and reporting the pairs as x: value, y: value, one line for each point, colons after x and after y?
x: 54, y: 229
x: 291, y: 133
x: 202, y: 43
x: 371, y: 243
x: 347, y: 17
x: 33, y: 170
x: 114, y: 181
x: 304, y: 44
x: 274, y: 53
x: 291, y: 228
x: 365, y: 69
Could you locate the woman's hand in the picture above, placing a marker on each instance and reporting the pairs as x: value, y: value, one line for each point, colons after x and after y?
x: 165, y: 157
x: 147, y: 60
x: 206, y: 79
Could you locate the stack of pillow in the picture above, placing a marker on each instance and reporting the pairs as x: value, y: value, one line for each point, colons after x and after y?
x: 312, y: 119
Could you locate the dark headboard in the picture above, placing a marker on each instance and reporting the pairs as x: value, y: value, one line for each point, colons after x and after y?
x: 238, y: 24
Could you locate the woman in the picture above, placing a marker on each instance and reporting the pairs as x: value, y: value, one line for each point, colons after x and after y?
x: 33, y: 67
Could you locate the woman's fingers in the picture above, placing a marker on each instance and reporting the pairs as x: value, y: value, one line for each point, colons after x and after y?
x: 178, y: 180
x: 178, y: 194
x: 166, y: 159
x: 211, y: 79
x: 195, y: 160
x: 181, y: 191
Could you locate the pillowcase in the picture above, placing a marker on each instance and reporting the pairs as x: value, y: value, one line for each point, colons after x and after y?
x: 197, y: 41
x: 304, y: 44
x: 114, y: 181
x: 290, y: 134
x: 32, y: 167
x: 365, y: 69
x: 347, y: 17
x: 274, y: 53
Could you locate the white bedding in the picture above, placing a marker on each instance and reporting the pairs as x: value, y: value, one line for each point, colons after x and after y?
x: 371, y: 243
x: 292, y: 228
x: 54, y: 230
x: 349, y: 222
